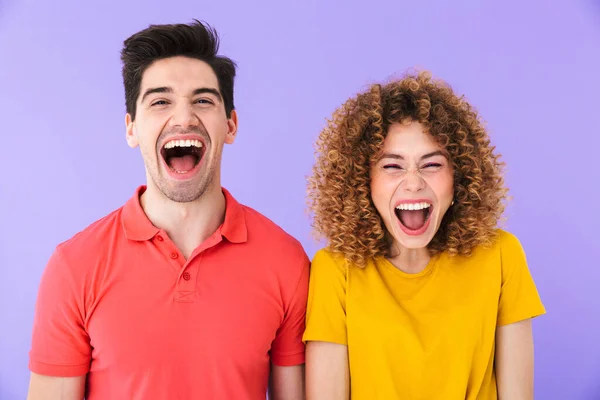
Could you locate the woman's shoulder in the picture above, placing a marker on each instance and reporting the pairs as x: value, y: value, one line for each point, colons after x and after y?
x: 491, y: 260
x: 506, y: 241
x: 327, y: 261
x: 503, y: 243
x: 327, y: 256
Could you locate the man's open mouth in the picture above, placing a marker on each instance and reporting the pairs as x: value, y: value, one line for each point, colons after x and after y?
x: 182, y: 156
x: 413, y: 216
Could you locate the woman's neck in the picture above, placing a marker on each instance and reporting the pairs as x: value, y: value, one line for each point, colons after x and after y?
x: 411, y: 261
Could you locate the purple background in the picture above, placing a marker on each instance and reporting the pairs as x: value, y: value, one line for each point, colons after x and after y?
x: 531, y: 68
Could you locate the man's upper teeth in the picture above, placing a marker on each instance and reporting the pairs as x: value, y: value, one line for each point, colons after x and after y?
x: 413, y: 206
x: 183, y: 143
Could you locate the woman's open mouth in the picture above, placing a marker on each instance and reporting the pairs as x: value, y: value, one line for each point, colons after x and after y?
x: 414, y: 216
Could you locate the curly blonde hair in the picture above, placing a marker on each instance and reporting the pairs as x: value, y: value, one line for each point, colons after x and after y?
x: 339, y: 189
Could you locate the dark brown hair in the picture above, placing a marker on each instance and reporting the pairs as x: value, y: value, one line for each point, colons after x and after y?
x: 196, y: 40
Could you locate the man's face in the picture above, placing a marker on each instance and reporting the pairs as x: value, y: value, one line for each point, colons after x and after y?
x: 181, y: 126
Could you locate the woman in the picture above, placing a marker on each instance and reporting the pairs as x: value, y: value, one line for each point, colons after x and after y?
x: 418, y: 294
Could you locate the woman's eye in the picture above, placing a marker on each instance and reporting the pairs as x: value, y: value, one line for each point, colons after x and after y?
x: 432, y: 165
x: 392, y: 166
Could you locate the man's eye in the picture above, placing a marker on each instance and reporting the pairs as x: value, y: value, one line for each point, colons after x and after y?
x: 159, y: 103
x: 204, y: 101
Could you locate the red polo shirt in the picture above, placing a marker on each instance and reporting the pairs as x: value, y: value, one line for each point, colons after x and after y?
x: 119, y: 302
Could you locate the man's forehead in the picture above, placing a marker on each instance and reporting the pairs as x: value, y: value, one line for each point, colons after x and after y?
x: 179, y: 73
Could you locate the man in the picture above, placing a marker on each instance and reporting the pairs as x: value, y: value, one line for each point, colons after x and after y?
x: 182, y: 293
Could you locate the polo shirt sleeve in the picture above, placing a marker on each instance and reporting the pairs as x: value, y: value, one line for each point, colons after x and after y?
x: 287, y: 348
x: 519, y: 298
x: 326, y: 310
x: 60, y: 344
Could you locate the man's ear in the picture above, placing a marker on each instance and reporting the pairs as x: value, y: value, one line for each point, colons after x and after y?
x: 232, y: 127
x: 131, y: 132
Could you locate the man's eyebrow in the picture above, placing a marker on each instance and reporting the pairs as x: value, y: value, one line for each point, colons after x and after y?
x: 166, y: 89
x: 212, y: 91
x: 162, y: 89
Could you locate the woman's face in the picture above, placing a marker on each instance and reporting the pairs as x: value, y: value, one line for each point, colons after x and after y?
x: 412, y: 185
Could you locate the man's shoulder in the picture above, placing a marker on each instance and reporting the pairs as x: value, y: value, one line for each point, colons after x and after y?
x: 92, y: 238
x: 262, y: 228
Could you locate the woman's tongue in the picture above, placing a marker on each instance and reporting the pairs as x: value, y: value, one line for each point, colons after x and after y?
x: 412, y: 219
x: 183, y: 163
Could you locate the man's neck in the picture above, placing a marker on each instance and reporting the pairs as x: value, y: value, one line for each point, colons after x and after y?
x: 187, y: 224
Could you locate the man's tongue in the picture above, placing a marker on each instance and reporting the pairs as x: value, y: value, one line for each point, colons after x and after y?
x: 182, y: 164
x: 413, y: 219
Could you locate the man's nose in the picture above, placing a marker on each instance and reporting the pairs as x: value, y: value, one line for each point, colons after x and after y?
x: 184, y: 116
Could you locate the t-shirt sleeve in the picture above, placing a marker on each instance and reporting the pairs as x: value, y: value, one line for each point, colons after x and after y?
x: 60, y: 344
x: 519, y: 298
x: 326, y: 309
x: 288, y: 348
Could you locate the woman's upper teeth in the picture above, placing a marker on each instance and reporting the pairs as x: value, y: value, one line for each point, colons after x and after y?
x: 412, y: 206
x: 183, y: 143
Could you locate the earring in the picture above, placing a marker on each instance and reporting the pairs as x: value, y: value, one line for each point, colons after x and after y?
x: 451, y: 204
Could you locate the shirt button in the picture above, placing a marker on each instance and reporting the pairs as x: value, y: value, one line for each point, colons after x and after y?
x: 186, y: 276
x: 159, y: 238
x: 174, y: 255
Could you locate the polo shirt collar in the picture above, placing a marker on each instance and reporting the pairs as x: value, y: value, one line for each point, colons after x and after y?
x: 138, y: 227
x: 234, y: 226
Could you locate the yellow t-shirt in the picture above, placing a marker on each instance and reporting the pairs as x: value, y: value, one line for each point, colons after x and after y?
x: 429, y: 335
